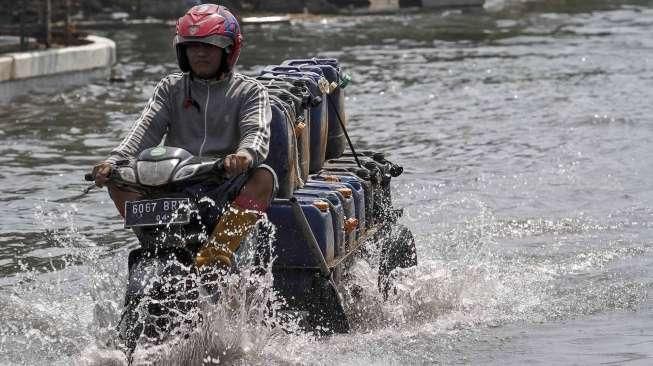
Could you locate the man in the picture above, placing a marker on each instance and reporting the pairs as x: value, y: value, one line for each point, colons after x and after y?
x: 210, y: 111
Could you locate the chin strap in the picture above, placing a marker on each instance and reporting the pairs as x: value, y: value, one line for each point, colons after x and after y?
x: 237, y: 221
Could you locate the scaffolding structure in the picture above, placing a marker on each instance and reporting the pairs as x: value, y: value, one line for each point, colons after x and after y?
x: 46, y: 21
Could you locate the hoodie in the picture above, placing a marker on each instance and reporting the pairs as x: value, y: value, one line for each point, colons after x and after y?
x: 209, y: 118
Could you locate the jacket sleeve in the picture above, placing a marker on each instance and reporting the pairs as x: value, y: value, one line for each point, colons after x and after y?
x: 150, y: 127
x: 254, y: 119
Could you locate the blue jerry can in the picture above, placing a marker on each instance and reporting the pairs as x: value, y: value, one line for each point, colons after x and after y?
x: 368, y: 187
x: 290, y: 246
x: 293, y: 98
x: 337, y: 141
x: 282, y: 156
x: 358, y: 189
x: 348, y: 204
x: 337, y: 214
x: 319, y: 122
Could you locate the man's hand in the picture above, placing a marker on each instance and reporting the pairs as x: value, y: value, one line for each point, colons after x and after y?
x: 237, y: 163
x: 101, y: 173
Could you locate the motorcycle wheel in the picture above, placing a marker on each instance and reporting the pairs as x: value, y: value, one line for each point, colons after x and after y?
x: 160, y: 301
x: 397, y: 251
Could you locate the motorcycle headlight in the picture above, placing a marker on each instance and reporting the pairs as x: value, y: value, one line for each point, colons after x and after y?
x: 185, y: 172
x: 156, y: 173
x: 127, y: 174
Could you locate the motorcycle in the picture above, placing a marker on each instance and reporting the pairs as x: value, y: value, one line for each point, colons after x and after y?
x: 171, y: 222
x: 331, y: 207
x: 311, y: 252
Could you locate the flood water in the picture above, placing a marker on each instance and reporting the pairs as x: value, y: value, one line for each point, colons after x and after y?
x: 526, y: 136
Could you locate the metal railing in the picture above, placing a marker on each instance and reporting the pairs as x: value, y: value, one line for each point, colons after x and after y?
x: 45, y: 21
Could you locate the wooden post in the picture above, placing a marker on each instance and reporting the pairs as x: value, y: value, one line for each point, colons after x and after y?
x: 48, y: 23
x: 67, y: 26
x: 21, y: 19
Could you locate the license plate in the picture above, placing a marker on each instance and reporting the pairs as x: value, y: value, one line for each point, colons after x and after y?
x: 161, y: 211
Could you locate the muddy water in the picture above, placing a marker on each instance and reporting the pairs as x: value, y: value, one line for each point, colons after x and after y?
x: 526, y: 138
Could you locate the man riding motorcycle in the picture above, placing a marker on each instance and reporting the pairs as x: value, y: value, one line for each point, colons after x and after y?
x: 211, y: 111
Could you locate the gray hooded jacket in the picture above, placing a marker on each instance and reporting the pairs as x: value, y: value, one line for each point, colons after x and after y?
x: 209, y: 118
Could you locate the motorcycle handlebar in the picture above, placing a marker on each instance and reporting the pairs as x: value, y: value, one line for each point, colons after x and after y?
x: 218, y: 167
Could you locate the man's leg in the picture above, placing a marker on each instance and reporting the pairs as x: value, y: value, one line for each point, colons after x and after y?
x: 119, y: 198
x: 257, y: 192
x: 239, y: 218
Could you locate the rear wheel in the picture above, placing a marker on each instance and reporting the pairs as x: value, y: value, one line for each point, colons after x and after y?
x: 397, y: 251
x: 327, y: 315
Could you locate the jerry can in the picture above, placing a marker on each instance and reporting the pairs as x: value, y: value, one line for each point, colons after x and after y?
x: 290, y: 248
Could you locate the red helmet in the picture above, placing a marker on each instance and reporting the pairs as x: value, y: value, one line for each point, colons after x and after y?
x: 212, y: 24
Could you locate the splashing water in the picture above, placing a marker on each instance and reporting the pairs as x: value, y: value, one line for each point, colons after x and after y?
x: 237, y: 327
x: 48, y: 304
x: 71, y: 312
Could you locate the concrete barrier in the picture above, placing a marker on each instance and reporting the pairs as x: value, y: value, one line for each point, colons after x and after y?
x: 376, y: 5
x: 25, y: 71
x: 6, y: 67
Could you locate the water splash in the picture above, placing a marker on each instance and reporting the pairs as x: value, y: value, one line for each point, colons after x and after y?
x: 236, y: 325
x: 46, y: 308
x: 71, y: 312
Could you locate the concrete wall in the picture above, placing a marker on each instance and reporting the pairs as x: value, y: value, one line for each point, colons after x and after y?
x: 383, y: 4
x: 25, y: 71
x: 6, y: 67
x: 101, y: 52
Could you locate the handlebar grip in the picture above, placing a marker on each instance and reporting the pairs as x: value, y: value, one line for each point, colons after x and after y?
x: 89, y: 177
x: 218, y: 166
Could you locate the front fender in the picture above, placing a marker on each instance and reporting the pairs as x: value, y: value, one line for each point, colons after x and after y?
x: 155, y: 273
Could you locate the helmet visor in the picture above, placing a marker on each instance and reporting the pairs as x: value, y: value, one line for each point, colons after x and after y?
x: 216, y: 40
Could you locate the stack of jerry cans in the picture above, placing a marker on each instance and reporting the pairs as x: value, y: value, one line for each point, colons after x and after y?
x: 345, y: 194
x: 296, y: 99
x: 318, y: 117
x: 328, y: 201
x: 358, y: 189
x: 340, y: 199
x: 377, y: 171
x: 282, y: 156
x: 336, y: 141
x: 328, y: 81
x: 353, y: 176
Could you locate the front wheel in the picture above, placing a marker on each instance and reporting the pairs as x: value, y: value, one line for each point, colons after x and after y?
x: 161, y: 299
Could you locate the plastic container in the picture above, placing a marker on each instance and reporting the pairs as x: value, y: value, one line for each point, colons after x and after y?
x: 337, y: 215
x: 282, y: 155
x: 336, y: 140
x: 290, y: 246
x: 318, y: 112
x: 348, y: 205
x: 296, y: 99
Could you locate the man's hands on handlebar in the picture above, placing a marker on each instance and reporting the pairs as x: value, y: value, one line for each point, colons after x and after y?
x: 101, y: 173
x: 237, y: 163
x: 233, y: 165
